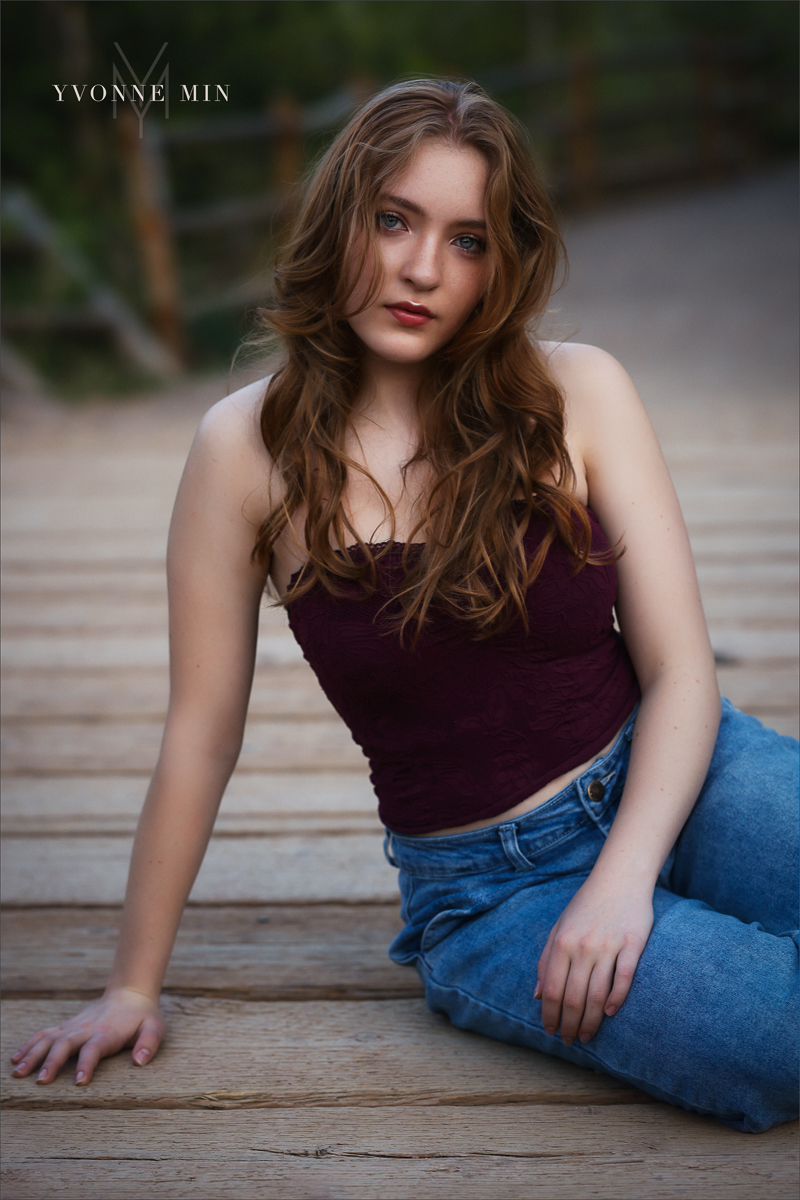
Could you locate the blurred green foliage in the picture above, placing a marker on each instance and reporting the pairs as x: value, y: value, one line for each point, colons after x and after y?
x: 66, y: 154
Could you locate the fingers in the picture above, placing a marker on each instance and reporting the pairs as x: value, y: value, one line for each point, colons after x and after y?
x: 62, y: 1049
x: 552, y: 987
x: 597, y: 992
x: 541, y: 969
x: 148, y: 1040
x: 623, y: 977
x: 574, y: 1003
x: 97, y: 1047
x: 28, y: 1057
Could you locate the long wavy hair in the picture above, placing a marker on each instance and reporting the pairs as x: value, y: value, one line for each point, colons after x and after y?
x: 491, y: 415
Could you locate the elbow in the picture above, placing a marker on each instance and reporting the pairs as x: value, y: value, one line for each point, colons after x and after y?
x: 692, y: 677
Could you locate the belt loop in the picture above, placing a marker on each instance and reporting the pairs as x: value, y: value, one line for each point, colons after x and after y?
x: 387, y: 847
x: 508, y: 839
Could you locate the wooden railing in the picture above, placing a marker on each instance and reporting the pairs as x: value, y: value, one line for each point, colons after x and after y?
x: 696, y: 112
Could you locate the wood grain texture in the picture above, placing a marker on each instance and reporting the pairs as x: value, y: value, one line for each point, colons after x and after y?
x: 276, y: 952
x: 515, y: 1150
x: 34, y: 651
x: 285, y: 1176
x: 111, y: 694
x: 269, y: 802
x: 62, y: 746
x: 247, y: 870
x: 243, y: 1054
x: 518, y: 1130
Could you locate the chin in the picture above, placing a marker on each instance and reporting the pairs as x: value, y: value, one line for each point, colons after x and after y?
x: 401, y: 352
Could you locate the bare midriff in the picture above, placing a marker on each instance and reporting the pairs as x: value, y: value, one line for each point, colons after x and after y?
x: 538, y: 798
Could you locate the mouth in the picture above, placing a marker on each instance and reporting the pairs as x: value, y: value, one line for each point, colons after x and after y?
x: 410, y: 314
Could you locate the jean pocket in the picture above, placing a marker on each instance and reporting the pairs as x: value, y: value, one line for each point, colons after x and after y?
x: 442, y: 925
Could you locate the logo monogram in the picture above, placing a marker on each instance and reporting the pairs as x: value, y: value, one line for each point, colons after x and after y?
x: 138, y: 90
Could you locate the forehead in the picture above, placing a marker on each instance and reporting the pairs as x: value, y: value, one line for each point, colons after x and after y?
x: 441, y: 176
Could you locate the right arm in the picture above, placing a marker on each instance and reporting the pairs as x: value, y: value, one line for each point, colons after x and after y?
x: 214, y: 596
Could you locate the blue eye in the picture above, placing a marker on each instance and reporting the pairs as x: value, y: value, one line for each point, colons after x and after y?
x: 477, y: 245
x: 386, y: 217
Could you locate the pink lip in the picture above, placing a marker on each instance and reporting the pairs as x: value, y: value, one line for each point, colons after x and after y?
x: 410, y: 314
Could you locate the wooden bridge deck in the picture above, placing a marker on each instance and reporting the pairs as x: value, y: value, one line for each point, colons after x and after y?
x: 301, y: 1062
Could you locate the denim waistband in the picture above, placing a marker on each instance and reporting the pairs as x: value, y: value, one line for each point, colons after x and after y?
x: 482, y: 849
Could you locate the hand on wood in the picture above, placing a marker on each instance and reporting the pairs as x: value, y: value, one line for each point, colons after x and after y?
x: 586, y: 968
x: 118, y: 1019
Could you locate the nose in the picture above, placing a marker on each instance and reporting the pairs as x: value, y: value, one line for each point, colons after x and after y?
x: 422, y: 266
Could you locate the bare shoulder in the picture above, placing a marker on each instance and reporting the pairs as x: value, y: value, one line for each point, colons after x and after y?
x: 598, y: 391
x: 581, y: 369
x: 233, y: 421
x: 228, y: 444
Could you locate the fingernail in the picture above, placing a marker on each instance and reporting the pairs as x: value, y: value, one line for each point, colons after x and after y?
x: 586, y: 1037
x: 537, y: 991
x: 611, y: 1010
x: 20, y: 1067
x: 549, y: 1030
x: 79, y: 1077
x: 142, y: 1056
x: 567, y: 1041
x: 14, y: 1057
x: 42, y: 1074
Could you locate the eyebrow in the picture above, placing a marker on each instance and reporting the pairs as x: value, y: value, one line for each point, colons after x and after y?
x: 401, y: 202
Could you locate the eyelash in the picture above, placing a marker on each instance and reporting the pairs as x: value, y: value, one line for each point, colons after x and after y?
x: 480, y: 245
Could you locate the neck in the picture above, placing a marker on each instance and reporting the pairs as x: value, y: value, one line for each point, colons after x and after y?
x: 388, y: 391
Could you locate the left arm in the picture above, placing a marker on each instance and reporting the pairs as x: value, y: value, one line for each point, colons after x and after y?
x: 587, y: 966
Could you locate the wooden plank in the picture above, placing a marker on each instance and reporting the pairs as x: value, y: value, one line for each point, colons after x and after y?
x: 526, y: 1131
x: 757, y: 689
x: 349, y: 868
x: 103, y: 547
x: 61, y: 746
x: 45, y: 476
x: 477, y: 1178
x: 743, y: 575
x: 112, y: 693
x: 748, y: 502
x: 770, y: 607
x: 274, y: 952
x: 731, y: 641
x: 64, y: 579
x: 145, y: 650
x: 97, y: 611
x: 728, y: 545
x: 241, y: 1054
x: 270, y: 802
x: 278, y: 1175
x: 787, y: 724
x: 497, y: 1151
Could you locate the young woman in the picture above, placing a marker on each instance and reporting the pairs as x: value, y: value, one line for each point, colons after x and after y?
x: 592, y: 863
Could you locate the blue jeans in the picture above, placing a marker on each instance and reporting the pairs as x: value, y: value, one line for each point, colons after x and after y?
x: 710, y: 1022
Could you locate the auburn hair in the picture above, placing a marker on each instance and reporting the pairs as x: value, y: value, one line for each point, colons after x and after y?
x: 491, y: 415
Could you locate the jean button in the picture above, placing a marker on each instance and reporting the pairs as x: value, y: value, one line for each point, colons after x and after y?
x: 595, y: 790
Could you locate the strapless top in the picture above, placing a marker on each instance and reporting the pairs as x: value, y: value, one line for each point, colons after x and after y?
x: 457, y: 729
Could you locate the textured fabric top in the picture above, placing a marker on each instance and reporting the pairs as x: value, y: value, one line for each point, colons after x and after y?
x: 459, y: 730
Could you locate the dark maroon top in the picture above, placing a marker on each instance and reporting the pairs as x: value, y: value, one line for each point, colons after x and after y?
x: 460, y: 730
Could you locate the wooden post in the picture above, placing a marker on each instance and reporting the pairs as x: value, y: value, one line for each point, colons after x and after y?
x: 151, y: 224
x: 287, y: 150
x: 584, y: 167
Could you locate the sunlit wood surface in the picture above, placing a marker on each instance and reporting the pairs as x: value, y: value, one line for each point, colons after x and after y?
x: 300, y: 1061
